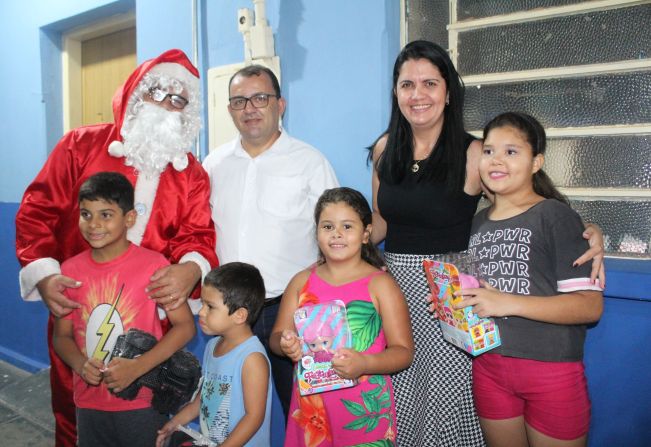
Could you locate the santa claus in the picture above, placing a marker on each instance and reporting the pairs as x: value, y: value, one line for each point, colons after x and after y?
x: 157, y: 119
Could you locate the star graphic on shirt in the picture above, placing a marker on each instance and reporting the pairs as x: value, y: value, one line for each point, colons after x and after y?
x: 483, y: 253
x: 482, y: 269
x: 486, y: 237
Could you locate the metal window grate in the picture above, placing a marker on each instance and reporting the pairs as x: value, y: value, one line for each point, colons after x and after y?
x: 583, y: 68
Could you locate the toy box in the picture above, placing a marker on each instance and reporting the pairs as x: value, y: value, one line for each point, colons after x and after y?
x: 323, y: 328
x: 461, y: 327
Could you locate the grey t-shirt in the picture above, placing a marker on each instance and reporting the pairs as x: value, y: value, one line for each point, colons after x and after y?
x: 532, y: 254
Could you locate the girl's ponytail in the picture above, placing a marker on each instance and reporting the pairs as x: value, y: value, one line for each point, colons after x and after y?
x: 543, y: 186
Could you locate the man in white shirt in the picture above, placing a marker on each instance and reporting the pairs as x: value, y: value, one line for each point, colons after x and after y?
x: 264, y: 186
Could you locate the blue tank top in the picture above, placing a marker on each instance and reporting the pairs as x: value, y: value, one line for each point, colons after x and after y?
x: 222, y: 400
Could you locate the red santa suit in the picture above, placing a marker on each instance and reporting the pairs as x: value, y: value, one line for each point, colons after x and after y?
x: 174, y: 215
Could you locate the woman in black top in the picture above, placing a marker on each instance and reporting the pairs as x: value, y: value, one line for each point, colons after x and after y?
x: 426, y: 187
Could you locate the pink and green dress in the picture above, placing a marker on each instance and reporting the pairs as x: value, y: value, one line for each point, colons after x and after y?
x: 363, y: 414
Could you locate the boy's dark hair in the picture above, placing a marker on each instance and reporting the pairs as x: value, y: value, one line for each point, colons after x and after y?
x: 534, y: 133
x: 111, y: 187
x: 241, y: 285
x: 358, y: 203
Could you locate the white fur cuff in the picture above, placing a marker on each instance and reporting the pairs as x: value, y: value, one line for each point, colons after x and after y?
x: 32, y: 273
x: 198, y: 259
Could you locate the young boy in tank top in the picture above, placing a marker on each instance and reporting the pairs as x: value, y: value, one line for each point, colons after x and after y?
x: 235, y: 400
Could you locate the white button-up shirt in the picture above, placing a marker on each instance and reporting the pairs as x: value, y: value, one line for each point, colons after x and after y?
x: 263, y: 207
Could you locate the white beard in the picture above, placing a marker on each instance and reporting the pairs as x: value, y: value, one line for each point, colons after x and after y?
x: 153, y: 138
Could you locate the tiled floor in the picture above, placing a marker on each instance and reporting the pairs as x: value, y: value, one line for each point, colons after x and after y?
x: 25, y: 414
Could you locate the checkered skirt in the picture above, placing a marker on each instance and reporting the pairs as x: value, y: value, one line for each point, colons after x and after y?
x: 433, y: 396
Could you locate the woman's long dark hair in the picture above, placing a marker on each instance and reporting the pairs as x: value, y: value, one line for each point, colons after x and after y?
x: 447, y: 160
x: 534, y: 133
x: 357, y: 202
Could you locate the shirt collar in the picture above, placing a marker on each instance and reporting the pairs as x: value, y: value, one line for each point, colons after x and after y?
x: 278, y: 146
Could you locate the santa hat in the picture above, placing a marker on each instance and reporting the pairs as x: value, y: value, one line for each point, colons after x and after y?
x: 177, y: 71
x: 172, y: 63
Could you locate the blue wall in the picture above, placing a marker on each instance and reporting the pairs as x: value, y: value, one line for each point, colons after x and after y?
x: 617, y: 358
x: 336, y: 77
x: 22, y: 327
x: 30, y: 34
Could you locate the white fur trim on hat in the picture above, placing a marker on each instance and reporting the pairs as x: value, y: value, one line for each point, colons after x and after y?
x: 116, y: 149
x: 177, y: 71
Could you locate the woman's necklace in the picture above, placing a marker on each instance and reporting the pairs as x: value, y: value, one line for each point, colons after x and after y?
x: 416, y: 166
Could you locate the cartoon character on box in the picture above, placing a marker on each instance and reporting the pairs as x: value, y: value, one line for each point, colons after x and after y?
x: 324, y: 329
x: 461, y: 327
x: 319, y: 338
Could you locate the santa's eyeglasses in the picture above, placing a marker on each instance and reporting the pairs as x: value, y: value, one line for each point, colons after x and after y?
x: 158, y: 95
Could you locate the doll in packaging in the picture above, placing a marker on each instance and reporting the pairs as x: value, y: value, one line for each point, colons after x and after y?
x: 323, y: 328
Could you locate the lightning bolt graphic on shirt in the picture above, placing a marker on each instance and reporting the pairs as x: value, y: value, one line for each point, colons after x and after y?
x: 105, y: 329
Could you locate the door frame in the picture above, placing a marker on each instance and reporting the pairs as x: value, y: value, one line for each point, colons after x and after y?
x: 71, y: 62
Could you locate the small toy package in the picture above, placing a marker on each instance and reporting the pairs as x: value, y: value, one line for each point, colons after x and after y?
x: 323, y: 328
x: 461, y: 327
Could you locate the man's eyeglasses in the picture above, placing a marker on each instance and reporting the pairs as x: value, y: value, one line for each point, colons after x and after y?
x: 177, y: 101
x: 259, y: 101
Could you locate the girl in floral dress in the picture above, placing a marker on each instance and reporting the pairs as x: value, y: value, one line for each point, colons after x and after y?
x: 349, y: 270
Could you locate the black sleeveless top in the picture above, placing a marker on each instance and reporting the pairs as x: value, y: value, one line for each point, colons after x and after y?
x: 422, y: 218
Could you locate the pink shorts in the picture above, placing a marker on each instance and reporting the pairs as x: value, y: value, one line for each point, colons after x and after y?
x: 552, y: 396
